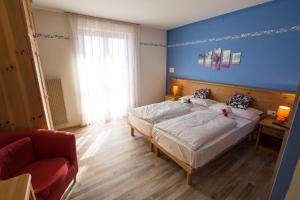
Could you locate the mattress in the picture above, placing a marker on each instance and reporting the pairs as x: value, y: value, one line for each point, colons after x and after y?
x: 142, y: 125
x: 201, y: 156
x: 146, y: 127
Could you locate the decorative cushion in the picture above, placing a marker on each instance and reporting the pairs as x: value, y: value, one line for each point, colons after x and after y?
x: 239, y: 101
x: 15, y: 156
x: 46, y: 175
x: 202, y: 93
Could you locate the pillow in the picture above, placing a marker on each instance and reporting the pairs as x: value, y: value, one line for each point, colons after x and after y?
x: 239, y: 101
x: 203, y: 102
x: 202, y: 93
x: 185, y: 98
x: 249, y: 113
x: 15, y: 156
x: 220, y: 108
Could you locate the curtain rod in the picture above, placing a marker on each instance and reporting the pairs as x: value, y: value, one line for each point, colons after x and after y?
x: 101, y: 18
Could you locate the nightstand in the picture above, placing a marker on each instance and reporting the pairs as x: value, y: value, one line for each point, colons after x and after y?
x: 272, y: 131
x: 18, y: 187
x: 171, y: 98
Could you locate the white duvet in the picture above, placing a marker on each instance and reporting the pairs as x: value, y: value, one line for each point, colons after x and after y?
x: 153, y: 113
x: 197, y: 128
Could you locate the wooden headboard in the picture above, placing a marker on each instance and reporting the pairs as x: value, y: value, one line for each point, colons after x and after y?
x: 264, y: 99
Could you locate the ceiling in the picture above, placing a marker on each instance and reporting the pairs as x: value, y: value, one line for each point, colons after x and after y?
x: 163, y: 14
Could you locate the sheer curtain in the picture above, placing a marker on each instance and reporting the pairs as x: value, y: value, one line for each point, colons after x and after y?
x: 108, y: 67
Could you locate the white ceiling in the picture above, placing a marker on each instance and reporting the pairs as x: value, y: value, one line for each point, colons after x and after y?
x: 163, y: 14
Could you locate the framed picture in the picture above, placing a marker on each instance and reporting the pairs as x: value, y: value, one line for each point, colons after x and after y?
x: 208, y: 59
x: 217, y: 58
x: 236, y: 58
x: 226, y: 58
x: 201, y: 59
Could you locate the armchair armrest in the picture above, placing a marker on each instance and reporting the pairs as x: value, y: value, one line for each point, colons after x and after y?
x: 49, y: 143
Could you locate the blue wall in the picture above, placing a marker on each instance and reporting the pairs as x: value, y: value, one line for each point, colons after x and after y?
x: 289, y: 159
x: 268, y: 61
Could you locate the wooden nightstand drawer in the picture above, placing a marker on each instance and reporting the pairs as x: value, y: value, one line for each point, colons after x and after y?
x: 273, y: 132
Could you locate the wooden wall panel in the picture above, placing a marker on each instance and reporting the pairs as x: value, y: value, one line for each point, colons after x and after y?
x: 21, y: 73
x: 5, y: 118
x: 9, y: 76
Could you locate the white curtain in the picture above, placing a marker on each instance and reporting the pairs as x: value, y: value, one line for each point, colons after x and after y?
x: 107, y: 54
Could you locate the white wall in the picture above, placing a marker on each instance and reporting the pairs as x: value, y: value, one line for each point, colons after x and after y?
x: 58, y: 61
x: 153, y: 65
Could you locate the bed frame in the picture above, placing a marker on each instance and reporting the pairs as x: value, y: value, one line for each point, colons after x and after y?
x: 186, y: 167
x: 133, y: 128
x: 263, y: 99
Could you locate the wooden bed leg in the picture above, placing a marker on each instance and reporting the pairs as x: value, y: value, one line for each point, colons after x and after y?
x: 157, y: 152
x: 189, y: 178
x: 152, y: 147
x: 251, y: 137
x: 132, y: 131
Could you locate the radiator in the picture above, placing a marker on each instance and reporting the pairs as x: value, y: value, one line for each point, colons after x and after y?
x: 56, y: 101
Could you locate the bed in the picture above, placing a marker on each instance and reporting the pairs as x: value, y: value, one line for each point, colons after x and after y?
x: 181, y: 138
x: 191, y: 159
x: 142, y: 119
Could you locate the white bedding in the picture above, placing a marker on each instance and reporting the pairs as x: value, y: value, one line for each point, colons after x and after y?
x: 201, y: 156
x: 146, y: 126
x: 197, y: 128
x: 153, y: 113
x: 142, y: 125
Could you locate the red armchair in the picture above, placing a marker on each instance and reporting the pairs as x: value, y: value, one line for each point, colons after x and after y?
x: 49, y: 156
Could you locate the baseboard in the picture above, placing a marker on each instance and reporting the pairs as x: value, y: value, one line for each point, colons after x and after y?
x: 71, y: 127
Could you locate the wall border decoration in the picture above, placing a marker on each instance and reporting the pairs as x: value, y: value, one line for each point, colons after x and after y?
x: 239, y: 36
x: 52, y: 36
x: 66, y: 37
x: 152, y: 44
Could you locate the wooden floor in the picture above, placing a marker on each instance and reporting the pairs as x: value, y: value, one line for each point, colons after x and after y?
x: 114, y: 165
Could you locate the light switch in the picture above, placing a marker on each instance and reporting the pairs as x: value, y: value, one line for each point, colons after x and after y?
x: 171, y: 69
x: 271, y: 113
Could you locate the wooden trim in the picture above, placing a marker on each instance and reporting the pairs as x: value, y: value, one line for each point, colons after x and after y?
x: 182, y: 164
x: 71, y: 127
x: 69, y: 189
x: 264, y: 99
x: 29, y: 26
x: 225, y: 85
x: 132, y: 131
x: 189, y: 169
x: 18, y: 187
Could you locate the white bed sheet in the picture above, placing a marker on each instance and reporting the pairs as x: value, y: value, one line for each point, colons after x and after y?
x: 146, y: 127
x: 198, y: 158
x: 142, y: 125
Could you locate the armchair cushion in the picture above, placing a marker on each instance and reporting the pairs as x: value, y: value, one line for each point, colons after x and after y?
x: 15, y: 156
x: 46, y: 175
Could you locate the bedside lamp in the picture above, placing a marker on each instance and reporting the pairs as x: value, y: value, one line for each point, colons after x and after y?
x: 283, y: 113
x: 175, y: 90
